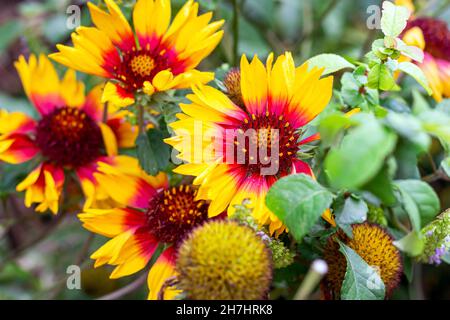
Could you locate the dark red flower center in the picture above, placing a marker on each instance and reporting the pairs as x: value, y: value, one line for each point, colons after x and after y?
x: 174, y: 212
x: 266, y: 144
x: 69, y: 137
x: 139, y: 66
x: 436, y: 35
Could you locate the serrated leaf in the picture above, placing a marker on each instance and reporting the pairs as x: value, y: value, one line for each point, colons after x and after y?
x: 153, y: 154
x: 331, y: 62
x: 298, y: 201
x: 361, y: 282
x: 417, y: 73
x: 393, y: 19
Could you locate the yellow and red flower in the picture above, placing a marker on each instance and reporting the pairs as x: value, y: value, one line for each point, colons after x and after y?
x: 163, y: 57
x: 151, y: 214
x: 69, y: 135
x: 279, y: 97
x: 433, y: 37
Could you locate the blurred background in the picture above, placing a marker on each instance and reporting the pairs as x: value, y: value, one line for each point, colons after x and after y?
x: 36, y: 249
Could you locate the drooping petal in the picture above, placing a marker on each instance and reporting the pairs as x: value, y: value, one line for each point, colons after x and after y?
x: 161, y: 271
x: 134, y: 255
x: 109, y: 139
x: 43, y: 186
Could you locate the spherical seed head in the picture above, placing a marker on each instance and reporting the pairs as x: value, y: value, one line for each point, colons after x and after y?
x: 232, y: 82
x: 223, y: 260
x: 374, y: 245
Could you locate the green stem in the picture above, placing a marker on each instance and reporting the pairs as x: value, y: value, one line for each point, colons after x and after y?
x: 316, y: 272
x: 235, y: 33
x: 141, y: 122
x: 105, y: 112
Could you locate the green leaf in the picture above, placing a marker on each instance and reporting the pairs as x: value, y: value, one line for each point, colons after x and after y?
x: 445, y: 164
x: 408, y: 268
x: 360, y: 155
x: 411, y: 208
x: 412, y: 52
x: 436, y: 123
x: 406, y: 156
x: 381, y: 186
x: 353, y: 210
x: 412, y: 244
x: 420, y: 104
x: 410, y: 128
x: 350, y: 89
x: 393, y: 19
x: 298, y: 201
x: 361, y: 282
x: 417, y: 73
x: 444, y: 107
x: 153, y: 154
x: 380, y: 77
x: 423, y: 196
x: 331, y: 62
x: 330, y: 126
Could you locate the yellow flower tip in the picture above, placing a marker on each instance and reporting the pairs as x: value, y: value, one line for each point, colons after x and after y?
x: 148, y: 88
x: 232, y: 82
x: 223, y: 260
x: 408, y: 4
x: 374, y: 245
x: 352, y: 112
x: 414, y: 37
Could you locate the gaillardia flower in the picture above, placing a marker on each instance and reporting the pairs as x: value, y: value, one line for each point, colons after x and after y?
x: 156, y: 56
x: 374, y: 245
x: 70, y: 135
x: 236, y: 151
x: 433, y: 37
x: 151, y: 214
x: 222, y: 260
